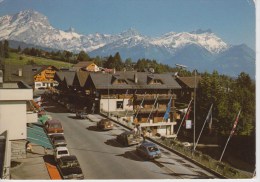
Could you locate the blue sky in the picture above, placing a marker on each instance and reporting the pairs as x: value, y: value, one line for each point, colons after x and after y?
x: 231, y: 20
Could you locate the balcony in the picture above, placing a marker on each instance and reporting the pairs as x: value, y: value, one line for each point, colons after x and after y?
x: 139, y: 97
x: 148, y: 110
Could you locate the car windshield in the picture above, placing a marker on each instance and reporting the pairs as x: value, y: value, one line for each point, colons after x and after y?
x: 153, y: 149
x: 70, y: 163
x: 59, y: 138
x: 56, y: 125
x: 62, y: 152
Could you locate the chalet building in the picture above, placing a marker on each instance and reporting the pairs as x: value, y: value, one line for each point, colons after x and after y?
x: 44, y: 77
x: 139, y: 97
x: 86, y: 66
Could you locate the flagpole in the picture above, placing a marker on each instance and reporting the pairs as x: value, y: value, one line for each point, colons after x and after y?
x: 140, y: 106
x: 133, y: 97
x: 208, y: 115
x: 152, y: 108
x: 231, y: 133
x: 183, y: 119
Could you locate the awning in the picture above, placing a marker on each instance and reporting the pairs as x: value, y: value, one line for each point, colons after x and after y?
x: 37, y: 135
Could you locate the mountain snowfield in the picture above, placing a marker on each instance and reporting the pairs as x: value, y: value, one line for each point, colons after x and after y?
x: 197, y: 49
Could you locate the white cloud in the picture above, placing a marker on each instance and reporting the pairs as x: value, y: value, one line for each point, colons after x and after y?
x: 1, y: 1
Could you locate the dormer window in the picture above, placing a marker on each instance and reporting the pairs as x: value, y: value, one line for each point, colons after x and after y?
x: 121, y: 81
x: 157, y: 81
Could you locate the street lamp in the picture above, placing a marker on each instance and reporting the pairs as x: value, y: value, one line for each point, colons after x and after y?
x: 108, y: 114
x: 194, y: 97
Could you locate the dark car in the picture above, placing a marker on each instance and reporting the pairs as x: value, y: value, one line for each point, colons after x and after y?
x: 105, y: 124
x: 81, y: 114
x: 148, y: 150
x: 128, y: 138
x: 58, y: 139
x: 53, y: 126
x: 69, y: 167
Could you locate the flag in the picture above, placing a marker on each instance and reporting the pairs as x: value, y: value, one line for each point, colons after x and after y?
x: 209, y: 118
x: 166, y: 115
x: 187, y: 116
x: 235, y: 124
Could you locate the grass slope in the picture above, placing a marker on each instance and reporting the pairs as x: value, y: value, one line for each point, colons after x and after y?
x: 14, y: 59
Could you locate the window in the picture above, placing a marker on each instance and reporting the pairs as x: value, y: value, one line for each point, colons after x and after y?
x: 121, y: 81
x: 157, y: 81
x: 119, y: 104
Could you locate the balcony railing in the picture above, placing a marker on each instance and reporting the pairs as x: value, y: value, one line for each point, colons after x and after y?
x: 153, y: 97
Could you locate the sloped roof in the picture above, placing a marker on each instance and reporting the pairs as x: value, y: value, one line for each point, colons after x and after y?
x: 82, y: 77
x: 65, y: 75
x: 82, y: 64
x: 42, y: 68
x: 189, y: 81
x: 105, y: 80
x: 11, y: 73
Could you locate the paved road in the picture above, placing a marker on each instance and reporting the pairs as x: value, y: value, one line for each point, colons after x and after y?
x: 102, y: 157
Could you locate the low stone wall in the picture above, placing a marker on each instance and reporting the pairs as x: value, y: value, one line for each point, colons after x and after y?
x: 18, y: 150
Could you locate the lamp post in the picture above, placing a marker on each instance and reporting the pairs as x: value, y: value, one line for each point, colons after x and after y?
x: 108, y: 114
x: 194, y: 107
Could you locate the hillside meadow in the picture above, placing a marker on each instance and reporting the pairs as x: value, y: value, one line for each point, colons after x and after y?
x: 21, y: 59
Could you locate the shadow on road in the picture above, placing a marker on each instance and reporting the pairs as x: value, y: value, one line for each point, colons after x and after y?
x: 114, y: 143
x: 131, y: 155
x: 95, y: 128
x: 73, y: 117
x: 49, y: 159
x: 189, y: 176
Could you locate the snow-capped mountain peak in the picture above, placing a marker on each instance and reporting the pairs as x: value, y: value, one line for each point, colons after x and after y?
x: 206, y: 39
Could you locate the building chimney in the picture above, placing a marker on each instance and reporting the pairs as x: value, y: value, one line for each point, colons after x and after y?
x: 20, y: 72
x: 135, y: 78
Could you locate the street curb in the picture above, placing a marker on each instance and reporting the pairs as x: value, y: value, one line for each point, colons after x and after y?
x: 172, y: 150
x: 189, y: 159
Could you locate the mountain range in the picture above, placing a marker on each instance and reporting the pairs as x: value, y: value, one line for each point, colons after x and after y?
x: 200, y: 49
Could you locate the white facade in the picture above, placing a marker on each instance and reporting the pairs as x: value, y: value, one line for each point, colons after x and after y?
x: 13, y: 116
x: 113, y: 105
x: 45, y: 84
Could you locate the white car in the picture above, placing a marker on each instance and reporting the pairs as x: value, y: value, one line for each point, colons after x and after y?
x: 60, y: 151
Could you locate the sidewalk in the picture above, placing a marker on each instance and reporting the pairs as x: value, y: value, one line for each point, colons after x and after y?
x: 32, y: 167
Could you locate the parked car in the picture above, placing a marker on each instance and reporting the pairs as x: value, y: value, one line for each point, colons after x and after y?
x: 58, y: 140
x: 59, y: 152
x: 128, y: 138
x: 81, y: 114
x: 148, y: 150
x: 53, y: 126
x: 69, y: 167
x: 105, y: 124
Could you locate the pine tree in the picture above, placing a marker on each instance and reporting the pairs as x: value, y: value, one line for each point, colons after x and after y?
x: 6, y: 49
x: 83, y: 56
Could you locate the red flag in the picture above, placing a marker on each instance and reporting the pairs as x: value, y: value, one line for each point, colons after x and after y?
x: 235, y: 124
x: 187, y: 116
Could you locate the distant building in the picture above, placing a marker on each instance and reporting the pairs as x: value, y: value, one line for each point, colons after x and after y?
x: 44, y: 77
x: 86, y: 66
